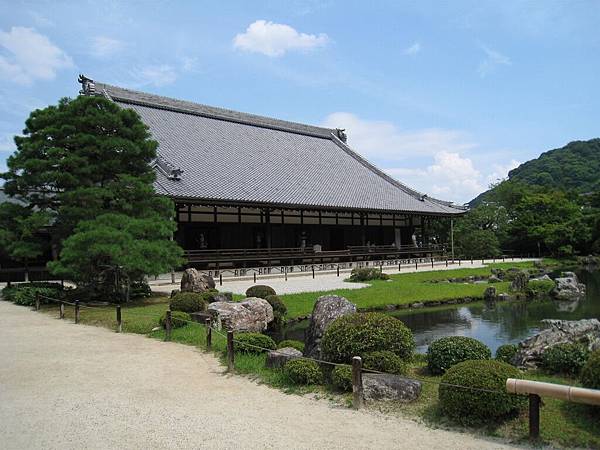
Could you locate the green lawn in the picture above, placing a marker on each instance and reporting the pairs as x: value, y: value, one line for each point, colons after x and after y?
x: 404, y: 288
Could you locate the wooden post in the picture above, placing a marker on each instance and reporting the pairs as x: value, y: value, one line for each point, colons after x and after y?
x: 534, y: 417
x: 168, y: 325
x: 459, y: 261
x: 313, y: 271
x: 399, y: 266
x: 119, y: 321
x: 338, y: 270
x: 208, y: 334
x: 61, y: 310
x: 285, y: 271
x: 255, y: 277
x: 230, y: 357
x: 432, y: 263
x: 37, y: 301
x: 220, y: 279
x: 416, y: 264
x: 76, y: 311
x: 357, y: 389
x: 471, y: 260
x: 172, y: 277
x: 446, y: 262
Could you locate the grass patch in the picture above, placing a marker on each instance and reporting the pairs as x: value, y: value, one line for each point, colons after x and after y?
x: 404, y: 289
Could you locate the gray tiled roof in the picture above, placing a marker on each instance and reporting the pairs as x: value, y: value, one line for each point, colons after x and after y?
x: 237, y: 157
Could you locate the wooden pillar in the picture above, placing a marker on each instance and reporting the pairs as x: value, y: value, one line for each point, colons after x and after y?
x: 357, y: 389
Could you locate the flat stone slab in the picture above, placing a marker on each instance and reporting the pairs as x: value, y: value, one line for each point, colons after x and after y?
x: 278, y: 358
x: 390, y: 387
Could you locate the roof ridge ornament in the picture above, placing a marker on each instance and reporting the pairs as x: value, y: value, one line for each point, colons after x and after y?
x: 88, y: 87
x: 168, y: 169
x: 341, y: 134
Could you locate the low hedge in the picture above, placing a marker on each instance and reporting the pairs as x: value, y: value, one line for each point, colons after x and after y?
x: 298, y: 345
x: 24, y: 294
x: 565, y: 359
x: 590, y: 374
x: 303, y: 371
x: 367, y: 274
x: 479, y: 406
x: 445, y: 352
x: 253, y: 343
x: 260, y: 291
x: 385, y: 361
x: 360, y: 333
x: 188, y: 302
x: 179, y: 319
x: 506, y: 353
x: 341, y: 378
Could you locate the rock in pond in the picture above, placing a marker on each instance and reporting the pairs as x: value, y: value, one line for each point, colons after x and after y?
x: 194, y: 281
x: 490, y: 294
x: 386, y: 386
x: 327, y: 308
x: 278, y: 358
x: 253, y: 315
x: 568, y: 287
x: 585, y: 331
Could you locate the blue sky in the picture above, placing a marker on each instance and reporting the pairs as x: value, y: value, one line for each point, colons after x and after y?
x: 446, y: 96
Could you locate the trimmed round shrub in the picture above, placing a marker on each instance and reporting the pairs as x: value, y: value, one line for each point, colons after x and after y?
x: 445, y: 352
x: 303, y: 371
x: 140, y: 289
x: 565, y: 358
x: 341, y: 378
x: 253, y: 343
x: 506, y: 353
x: 188, y: 302
x: 178, y: 319
x: 590, y: 374
x: 209, y: 296
x: 479, y: 406
x: 298, y: 345
x: 260, y: 291
x: 360, y: 333
x: 384, y: 361
x: 367, y: 273
x: 540, y: 288
x: 279, y: 308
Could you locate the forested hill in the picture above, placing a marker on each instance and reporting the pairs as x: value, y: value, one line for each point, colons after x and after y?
x: 576, y: 166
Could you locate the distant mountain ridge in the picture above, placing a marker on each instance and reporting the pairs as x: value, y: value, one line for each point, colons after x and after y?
x: 576, y: 166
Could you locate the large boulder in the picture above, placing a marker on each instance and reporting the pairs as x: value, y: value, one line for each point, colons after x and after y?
x: 278, y: 358
x: 384, y: 386
x: 520, y: 281
x: 568, y: 287
x: 490, y: 294
x: 252, y: 315
x: 327, y: 308
x: 585, y: 331
x: 194, y: 281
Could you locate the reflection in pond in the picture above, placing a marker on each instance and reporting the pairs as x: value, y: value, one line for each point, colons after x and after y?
x: 493, y: 324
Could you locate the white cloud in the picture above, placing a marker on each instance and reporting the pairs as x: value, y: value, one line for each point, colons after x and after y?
x: 275, y: 39
x: 445, y: 171
x: 413, y: 49
x: 159, y: 75
x: 27, y: 56
x: 384, y: 140
x: 492, y: 60
x: 104, y: 47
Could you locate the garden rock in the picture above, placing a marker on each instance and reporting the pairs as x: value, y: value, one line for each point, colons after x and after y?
x: 327, y: 308
x: 568, y: 287
x: 252, y: 315
x: 585, y: 331
x: 278, y: 358
x: 520, y: 281
x: 386, y: 386
x: 490, y: 294
x: 194, y: 281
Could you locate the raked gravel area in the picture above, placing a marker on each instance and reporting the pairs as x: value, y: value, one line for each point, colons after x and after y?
x: 67, y: 386
x: 323, y: 281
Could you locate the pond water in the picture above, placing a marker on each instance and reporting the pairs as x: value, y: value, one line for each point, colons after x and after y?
x: 493, y: 324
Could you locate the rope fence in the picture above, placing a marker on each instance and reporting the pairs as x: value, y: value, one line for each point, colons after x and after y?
x: 356, y: 366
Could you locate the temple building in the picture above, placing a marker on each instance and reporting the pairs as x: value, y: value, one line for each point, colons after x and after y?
x: 255, y: 190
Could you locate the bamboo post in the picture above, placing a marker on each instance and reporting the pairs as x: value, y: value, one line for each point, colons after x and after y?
x: 208, y: 334
x: 230, y: 357
x: 61, y: 310
x: 119, y: 321
x: 168, y: 325
x: 534, y: 417
x: 357, y: 389
x: 76, y: 311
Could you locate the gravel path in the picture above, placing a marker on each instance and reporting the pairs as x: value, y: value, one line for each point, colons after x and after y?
x: 75, y: 386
